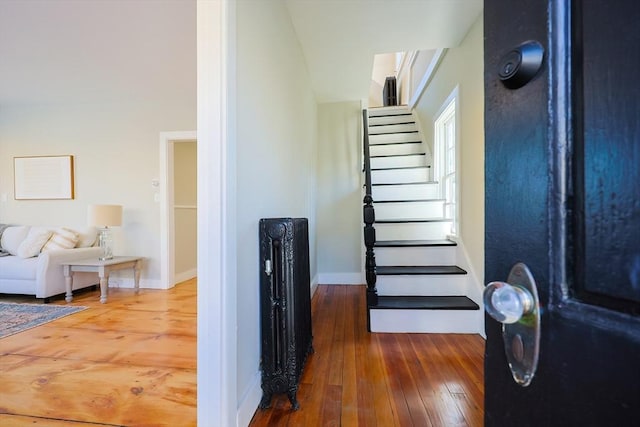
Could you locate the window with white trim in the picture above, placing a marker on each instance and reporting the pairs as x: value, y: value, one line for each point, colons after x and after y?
x: 445, y: 156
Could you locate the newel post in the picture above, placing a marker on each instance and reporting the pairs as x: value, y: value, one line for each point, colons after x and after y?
x: 370, y: 258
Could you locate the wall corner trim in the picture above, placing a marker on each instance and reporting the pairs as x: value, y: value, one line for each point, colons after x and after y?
x: 426, y: 78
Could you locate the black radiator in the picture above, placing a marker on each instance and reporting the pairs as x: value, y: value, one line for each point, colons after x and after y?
x: 389, y: 92
x: 285, y: 304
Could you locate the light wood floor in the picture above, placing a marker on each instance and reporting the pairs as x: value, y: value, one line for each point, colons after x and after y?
x: 359, y: 379
x: 129, y: 362
x: 132, y: 362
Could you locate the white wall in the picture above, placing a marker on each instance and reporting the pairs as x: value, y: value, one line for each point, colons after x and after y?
x: 98, y: 92
x: 115, y: 149
x: 339, y: 193
x: 462, y: 66
x: 276, y: 146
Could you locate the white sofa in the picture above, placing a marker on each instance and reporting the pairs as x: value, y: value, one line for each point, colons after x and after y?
x: 33, y: 266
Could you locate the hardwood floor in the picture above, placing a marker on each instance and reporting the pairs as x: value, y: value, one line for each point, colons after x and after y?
x: 132, y: 362
x: 359, y: 379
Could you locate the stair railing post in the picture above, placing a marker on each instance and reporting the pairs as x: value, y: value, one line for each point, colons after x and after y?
x: 369, y: 218
x: 370, y: 257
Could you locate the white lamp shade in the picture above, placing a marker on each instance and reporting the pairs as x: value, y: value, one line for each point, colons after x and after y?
x: 105, y: 215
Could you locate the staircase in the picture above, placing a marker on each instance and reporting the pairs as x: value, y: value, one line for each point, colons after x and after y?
x: 418, y: 285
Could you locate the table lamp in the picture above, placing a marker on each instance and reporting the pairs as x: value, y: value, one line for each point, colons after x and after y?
x: 103, y: 217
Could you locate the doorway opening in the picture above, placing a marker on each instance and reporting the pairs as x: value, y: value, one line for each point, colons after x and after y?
x: 178, y: 207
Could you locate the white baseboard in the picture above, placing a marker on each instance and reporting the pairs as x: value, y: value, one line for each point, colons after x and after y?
x: 340, y: 279
x: 249, y: 402
x: 186, y: 275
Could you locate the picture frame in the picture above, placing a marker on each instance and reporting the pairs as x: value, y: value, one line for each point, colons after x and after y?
x: 43, y: 178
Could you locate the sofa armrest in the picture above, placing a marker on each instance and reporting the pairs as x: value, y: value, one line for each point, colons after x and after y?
x: 49, y: 275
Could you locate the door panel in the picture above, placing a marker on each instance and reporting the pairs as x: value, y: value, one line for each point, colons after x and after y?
x: 607, y: 130
x: 554, y: 203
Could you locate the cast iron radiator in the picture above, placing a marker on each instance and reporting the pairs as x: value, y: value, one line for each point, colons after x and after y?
x: 389, y: 92
x: 285, y: 305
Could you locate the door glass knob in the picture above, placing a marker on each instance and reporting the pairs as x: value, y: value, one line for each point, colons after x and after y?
x: 507, y: 303
x: 515, y: 304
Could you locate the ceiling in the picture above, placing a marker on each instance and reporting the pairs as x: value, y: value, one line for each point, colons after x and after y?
x: 71, y: 51
x: 339, y: 38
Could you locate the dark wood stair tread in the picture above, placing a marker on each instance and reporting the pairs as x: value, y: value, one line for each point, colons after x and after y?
x: 409, y: 122
x: 411, y: 220
x: 401, y: 168
x: 401, y: 113
x: 413, y: 243
x: 376, y: 144
x: 397, y: 270
x: 405, y: 183
x: 425, y: 302
x: 393, y: 133
x: 372, y: 113
x: 399, y: 155
x: 407, y: 201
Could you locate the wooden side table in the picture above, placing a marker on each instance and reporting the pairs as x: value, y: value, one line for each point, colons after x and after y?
x: 103, y: 268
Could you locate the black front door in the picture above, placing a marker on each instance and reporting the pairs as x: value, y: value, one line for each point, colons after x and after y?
x: 563, y: 197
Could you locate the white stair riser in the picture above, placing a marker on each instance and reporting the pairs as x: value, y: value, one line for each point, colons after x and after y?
x: 427, y: 255
x: 393, y: 176
x: 388, y: 111
x: 430, y: 285
x: 394, y: 138
x: 413, y: 231
x: 392, y: 128
x: 399, y: 162
x: 426, y: 321
x: 390, y: 120
x: 405, y: 192
x: 395, y: 149
x: 410, y: 210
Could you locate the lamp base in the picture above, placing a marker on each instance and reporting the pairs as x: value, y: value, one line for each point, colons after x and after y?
x: 104, y: 239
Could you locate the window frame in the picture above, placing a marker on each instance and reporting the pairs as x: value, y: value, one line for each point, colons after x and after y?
x: 446, y: 127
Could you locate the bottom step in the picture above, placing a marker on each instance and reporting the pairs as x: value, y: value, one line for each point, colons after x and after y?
x: 426, y: 314
x: 427, y: 303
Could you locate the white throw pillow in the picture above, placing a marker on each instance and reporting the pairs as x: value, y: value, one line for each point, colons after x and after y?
x: 34, y: 242
x: 13, y: 236
x: 87, y: 237
x: 62, y: 238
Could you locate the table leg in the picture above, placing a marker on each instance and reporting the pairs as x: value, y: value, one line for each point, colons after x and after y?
x: 104, y: 287
x: 136, y: 276
x: 68, y: 281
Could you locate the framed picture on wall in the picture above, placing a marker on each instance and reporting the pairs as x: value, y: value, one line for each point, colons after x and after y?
x: 43, y: 177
